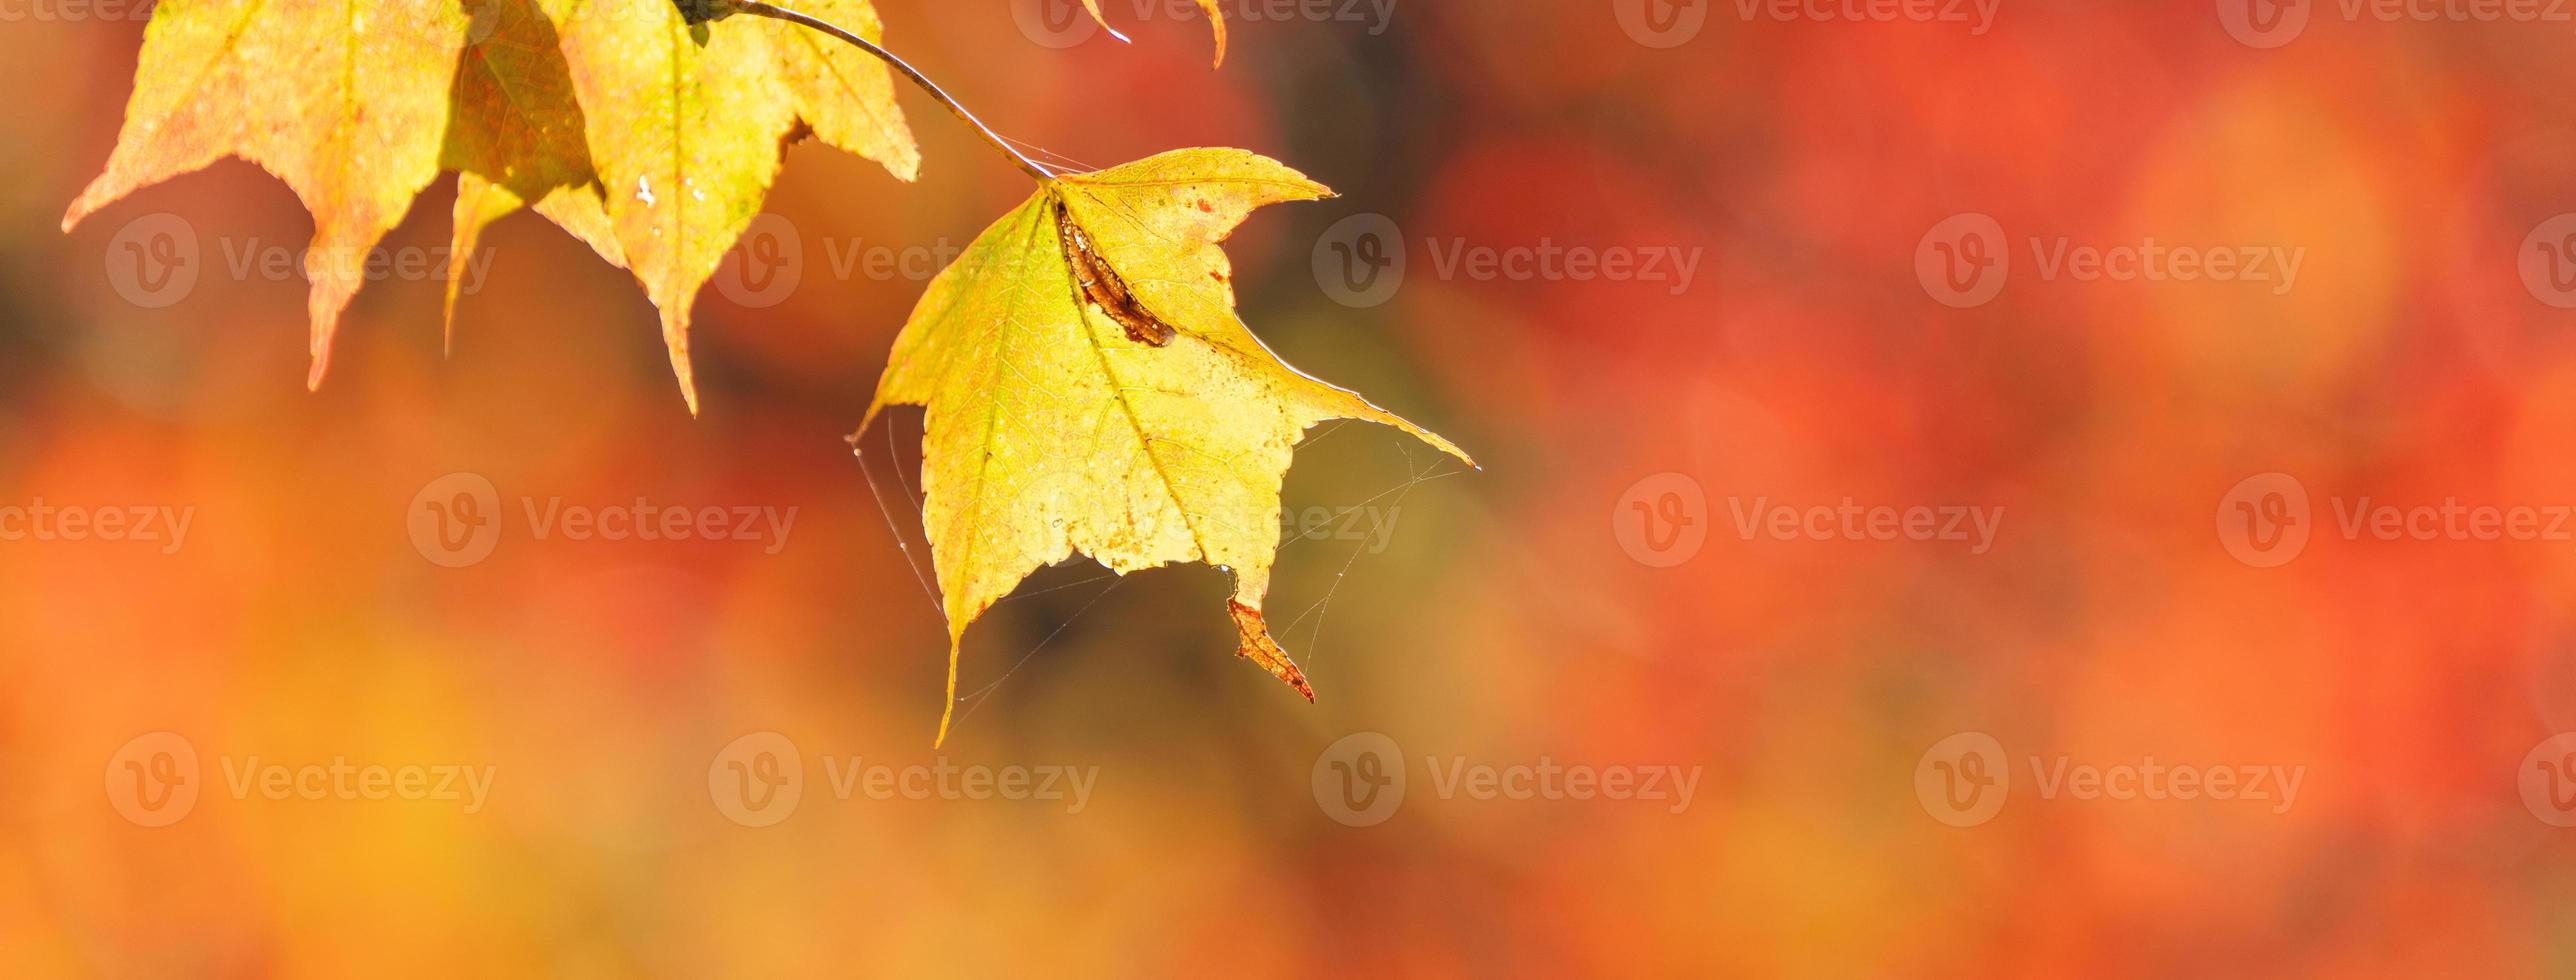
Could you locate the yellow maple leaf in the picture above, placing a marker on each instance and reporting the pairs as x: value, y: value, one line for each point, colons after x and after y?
x: 516, y: 133
x: 344, y: 101
x: 1089, y: 388
x: 515, y: 119
x: 650, y: 141
x: 686, y: 128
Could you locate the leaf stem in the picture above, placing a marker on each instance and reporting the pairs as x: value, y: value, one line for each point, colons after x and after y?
x: 757, y: 8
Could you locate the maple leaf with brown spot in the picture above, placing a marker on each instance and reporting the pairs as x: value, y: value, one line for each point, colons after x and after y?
x: 1090, y: 389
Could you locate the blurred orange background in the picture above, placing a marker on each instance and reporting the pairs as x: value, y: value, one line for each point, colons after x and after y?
x: 1609, y: 597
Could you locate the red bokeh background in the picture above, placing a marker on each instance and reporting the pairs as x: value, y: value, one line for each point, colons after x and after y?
x: 1502, y: 622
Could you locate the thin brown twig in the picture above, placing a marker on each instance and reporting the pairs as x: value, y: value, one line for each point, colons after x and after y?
x: 757, y: 8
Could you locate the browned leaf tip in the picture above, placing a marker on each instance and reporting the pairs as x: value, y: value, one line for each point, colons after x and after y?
x: 1101, y: 286
x: 1259, y: 648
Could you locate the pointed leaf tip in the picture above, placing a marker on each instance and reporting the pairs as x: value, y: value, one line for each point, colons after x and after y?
x: 1263, y: 651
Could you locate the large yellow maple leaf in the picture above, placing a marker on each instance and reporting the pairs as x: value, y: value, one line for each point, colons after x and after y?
x: 1089, y: 388
x: 345, y: 101
x: 685, y: 131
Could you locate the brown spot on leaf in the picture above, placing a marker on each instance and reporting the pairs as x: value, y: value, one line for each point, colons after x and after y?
x: 1101, y: 285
